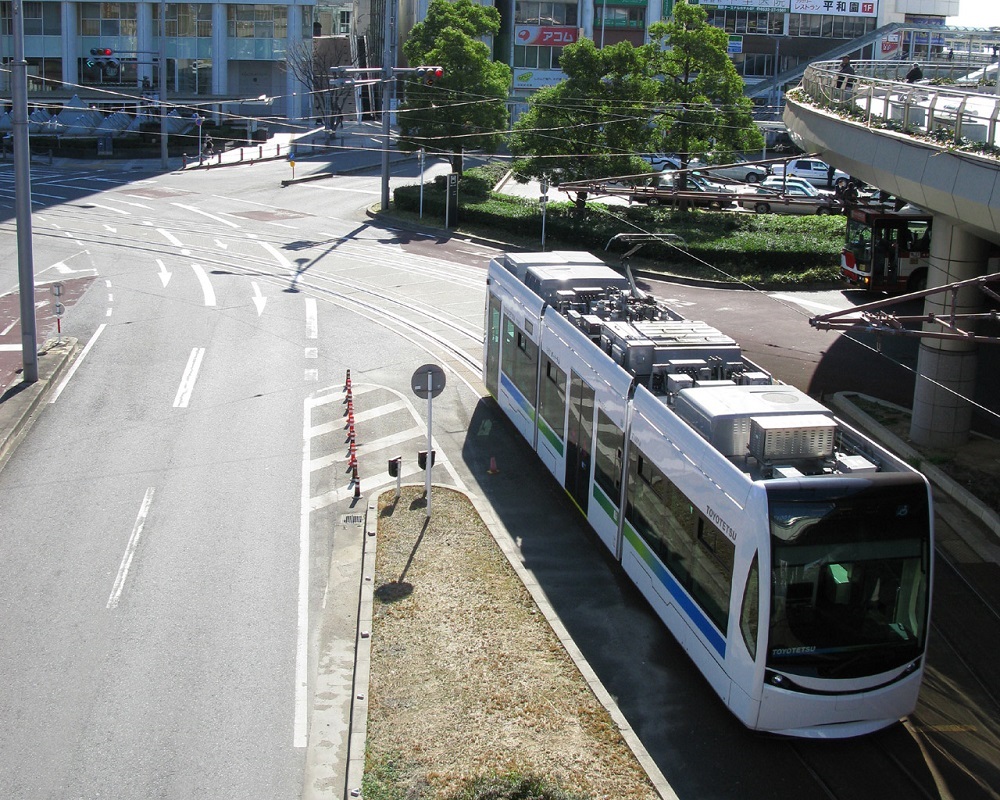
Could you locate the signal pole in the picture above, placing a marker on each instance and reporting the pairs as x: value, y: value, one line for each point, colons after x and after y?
x: 22, y: 200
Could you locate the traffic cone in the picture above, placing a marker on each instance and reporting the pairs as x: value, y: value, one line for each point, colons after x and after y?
x: 350, y: 432
x: 493, y: 470
x: 354, y: 473
x: 347, y: 383
x: 350, y: 396
x: 357, y: 490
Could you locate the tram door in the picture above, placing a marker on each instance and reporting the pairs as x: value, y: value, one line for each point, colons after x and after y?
x: 492, y: 346
x: 579, y: 439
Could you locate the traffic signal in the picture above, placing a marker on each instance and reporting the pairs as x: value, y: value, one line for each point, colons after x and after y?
x: 103, y: 57
x: 428, y: 75
x: 422, y: 459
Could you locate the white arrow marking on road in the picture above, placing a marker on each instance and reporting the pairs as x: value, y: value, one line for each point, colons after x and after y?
x: 206, y: 284
x: 164, y: 275
x: 133, y: 543
x: 278, y: 255
x: 258, y: 299
x: 170, y: 237
x: 189, y: 377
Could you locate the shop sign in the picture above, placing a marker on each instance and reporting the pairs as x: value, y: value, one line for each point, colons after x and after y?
x: 545, y: 35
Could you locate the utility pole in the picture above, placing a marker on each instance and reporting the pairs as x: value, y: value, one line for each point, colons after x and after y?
x: 22, y: 200
x: 388, y: 62
x: 164, y: 159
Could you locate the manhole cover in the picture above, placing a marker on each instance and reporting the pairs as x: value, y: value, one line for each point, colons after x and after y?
x: 354, y: 519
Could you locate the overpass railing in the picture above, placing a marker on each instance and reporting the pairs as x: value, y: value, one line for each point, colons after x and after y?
x: 935, y: 108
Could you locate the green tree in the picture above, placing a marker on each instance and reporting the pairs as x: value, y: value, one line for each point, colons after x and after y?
x: 702, y: 105
x: 466, y: 109
x: 594, y: 122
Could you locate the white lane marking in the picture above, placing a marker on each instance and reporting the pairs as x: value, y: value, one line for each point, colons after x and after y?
x: 311, y: 352
x: 6, y: 330
x: 206, y: 284
x: 108, y: 314
x: 221, y: 245
x: 206, y: 214
x: 170, y: 237
x: 300, y: 726
x: 110, y: 229
x: 258, y: 299
x: 279, y: 256
x: 121, y: 211
x: 312, y: 319
x: 78, y: 362
x: 790, y: 298
x: 189, y: 377
x: 133, y: 542
x: 9, y: 348
x: 164, y: 275
x: 311, y: 375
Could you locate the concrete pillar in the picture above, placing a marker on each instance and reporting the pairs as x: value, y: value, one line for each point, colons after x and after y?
x: 946, y: 369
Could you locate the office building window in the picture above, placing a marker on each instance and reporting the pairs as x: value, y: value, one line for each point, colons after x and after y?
x: 107, y: 20
x: 530, y: 12
x: 536, y: 57
x: 259, y: 22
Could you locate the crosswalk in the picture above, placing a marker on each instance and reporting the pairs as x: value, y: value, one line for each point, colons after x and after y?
x: 386, y: 426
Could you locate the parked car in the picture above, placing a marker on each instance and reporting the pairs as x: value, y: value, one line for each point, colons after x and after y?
x: 813, y: 170
x: 793, y: 200
x: 735, y: 169
x: 780, y: 182
x: 661, y: 161
x: 657, y: 192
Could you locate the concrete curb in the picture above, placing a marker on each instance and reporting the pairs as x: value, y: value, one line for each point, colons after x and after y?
x: 358, y: 728
x: 362, y: 673
x: 986, y: 515
x: 20, y: 402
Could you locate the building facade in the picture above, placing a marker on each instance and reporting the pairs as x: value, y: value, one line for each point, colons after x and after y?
x: 213, y: 50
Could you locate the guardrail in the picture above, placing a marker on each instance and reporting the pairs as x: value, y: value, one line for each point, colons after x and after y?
x: 877, y: 95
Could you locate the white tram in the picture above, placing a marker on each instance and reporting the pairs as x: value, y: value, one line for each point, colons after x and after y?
x: 789, y: 555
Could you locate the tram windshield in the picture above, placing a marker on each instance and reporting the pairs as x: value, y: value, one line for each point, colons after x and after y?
x: 849, y: 576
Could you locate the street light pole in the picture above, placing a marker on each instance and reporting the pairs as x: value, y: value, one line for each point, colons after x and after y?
x: 22, y: 200
x: 164, y: 159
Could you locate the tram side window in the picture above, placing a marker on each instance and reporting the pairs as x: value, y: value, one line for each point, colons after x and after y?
x: 552, y: 401
x: 750, y: 609
x: 660, y: 514
x: 520, y: 359
x: 712, y: 572
x: 696, y: 552
x: 608, y: 459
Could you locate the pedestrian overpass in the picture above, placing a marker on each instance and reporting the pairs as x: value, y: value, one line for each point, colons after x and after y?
x: 935, y: 143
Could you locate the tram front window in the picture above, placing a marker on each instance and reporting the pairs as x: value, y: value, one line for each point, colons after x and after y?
x: 849, y: 577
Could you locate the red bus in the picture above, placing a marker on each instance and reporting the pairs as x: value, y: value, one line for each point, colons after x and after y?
x: 885, y: 250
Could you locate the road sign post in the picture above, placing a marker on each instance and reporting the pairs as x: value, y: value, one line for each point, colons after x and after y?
x: 60, y: 309
x: 428, y: 381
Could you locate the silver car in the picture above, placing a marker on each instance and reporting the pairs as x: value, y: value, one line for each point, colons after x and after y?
x: 794, y: 200
x: 738, y: 170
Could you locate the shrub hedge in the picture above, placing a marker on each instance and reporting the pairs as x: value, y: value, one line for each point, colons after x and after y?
x: 761, y: 247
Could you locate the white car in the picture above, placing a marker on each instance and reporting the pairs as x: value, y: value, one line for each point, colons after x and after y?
x: 780, y: 182
x: 793, y: 200
x: 661, y: 161
x: 737, y: 169
x: 813, y: 170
